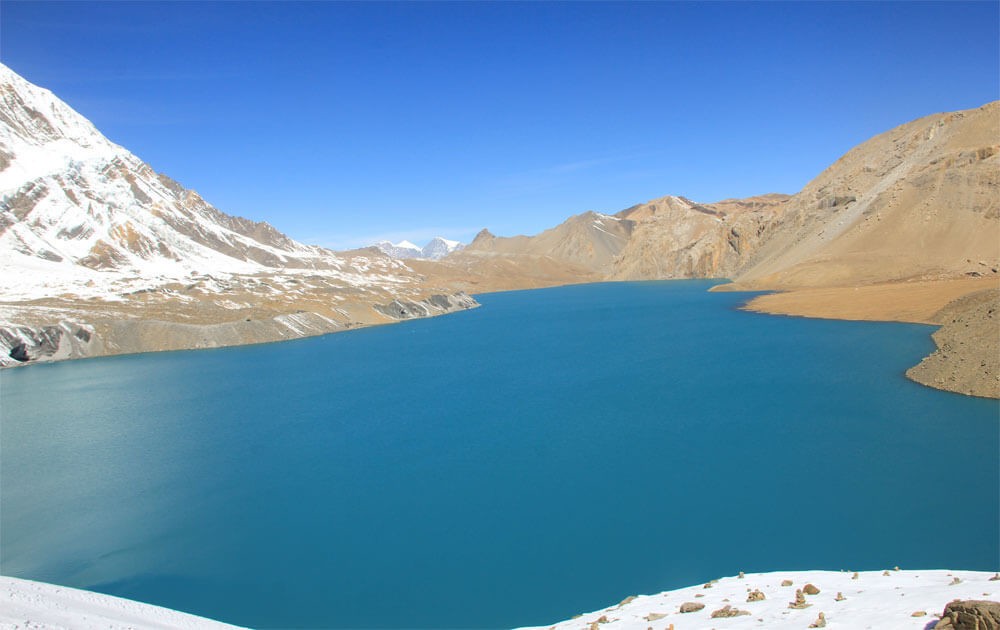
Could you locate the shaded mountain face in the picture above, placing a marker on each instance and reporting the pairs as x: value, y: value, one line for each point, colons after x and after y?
x: 590, y: 241
x: 439, y: 247
x: 675, y: 237
x: 670, y: 237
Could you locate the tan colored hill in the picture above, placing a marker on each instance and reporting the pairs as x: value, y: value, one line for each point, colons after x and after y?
x: 896, y: 229
x: 590, y: 241
x: 670, y: 237
x: 901, y: 228
x: 921, y: 201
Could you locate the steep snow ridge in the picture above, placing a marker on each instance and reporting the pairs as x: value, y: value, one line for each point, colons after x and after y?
x: 37, y: 116
x: 80, y: 215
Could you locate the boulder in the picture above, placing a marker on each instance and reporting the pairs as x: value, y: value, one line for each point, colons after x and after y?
x: 690, y: 607
x: 970, y: 614
x: 729, y: 611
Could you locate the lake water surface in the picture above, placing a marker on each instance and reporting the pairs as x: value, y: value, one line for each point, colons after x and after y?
x: 547, y: 454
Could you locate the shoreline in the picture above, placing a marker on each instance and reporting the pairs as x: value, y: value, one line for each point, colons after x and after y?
x: 885, y: 599
x: 74, y: 334
x: 965, y: 310
x: 921, y: 302
x: 888, y: 600
x: 909, y: 302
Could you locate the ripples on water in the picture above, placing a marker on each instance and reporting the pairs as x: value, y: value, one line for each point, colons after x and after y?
x: 547, y: 454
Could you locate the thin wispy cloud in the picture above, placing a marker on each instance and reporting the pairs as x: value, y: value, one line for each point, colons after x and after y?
x: 582, y: 165
x: 557, y: 175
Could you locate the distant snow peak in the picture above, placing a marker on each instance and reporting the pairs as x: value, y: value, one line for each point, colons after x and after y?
x: 439, y: 247
x: 436, y: 249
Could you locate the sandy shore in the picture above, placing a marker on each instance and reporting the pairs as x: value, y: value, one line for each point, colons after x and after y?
x: 967, y: 360
x: 916, y: 302
x: 875, y: 599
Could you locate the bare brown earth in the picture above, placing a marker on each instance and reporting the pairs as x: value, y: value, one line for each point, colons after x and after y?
x: 968, y: 356
x: 917, y: 302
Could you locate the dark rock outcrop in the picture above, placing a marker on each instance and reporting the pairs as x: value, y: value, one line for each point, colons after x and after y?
x: 970, y: 615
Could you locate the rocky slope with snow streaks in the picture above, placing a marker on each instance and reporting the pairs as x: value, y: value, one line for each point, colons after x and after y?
x: 99, y: 254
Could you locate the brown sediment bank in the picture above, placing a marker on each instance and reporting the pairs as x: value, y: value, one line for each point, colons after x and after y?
x: 967, y: 360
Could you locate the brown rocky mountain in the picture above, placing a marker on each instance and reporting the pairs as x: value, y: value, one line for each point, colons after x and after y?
x: 921, y: 201
x: 675, y: 237
x: 895, y: 229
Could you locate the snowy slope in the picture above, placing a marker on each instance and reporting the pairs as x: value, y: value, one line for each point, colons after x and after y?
x: 78, y: 211
x: 888, y: 600
x: 28, y: 604
x: 874, y: 599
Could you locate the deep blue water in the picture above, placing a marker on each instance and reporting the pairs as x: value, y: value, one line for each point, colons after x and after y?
x: 549, y: 453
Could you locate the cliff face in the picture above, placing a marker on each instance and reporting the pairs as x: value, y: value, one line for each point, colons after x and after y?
x: 675, y: 237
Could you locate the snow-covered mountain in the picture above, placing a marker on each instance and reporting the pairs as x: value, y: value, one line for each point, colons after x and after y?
x: 77, y: 209
x: 440, y: 247
x: 402, y: 249
x: 436, y: 249
x: 99, y: 254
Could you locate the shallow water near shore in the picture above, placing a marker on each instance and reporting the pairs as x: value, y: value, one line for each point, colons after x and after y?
x: 547, y: 454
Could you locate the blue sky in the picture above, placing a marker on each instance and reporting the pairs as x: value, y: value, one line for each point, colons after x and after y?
x: 344, y: 123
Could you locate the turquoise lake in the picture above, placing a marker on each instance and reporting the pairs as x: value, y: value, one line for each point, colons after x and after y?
x: 545, y: 455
